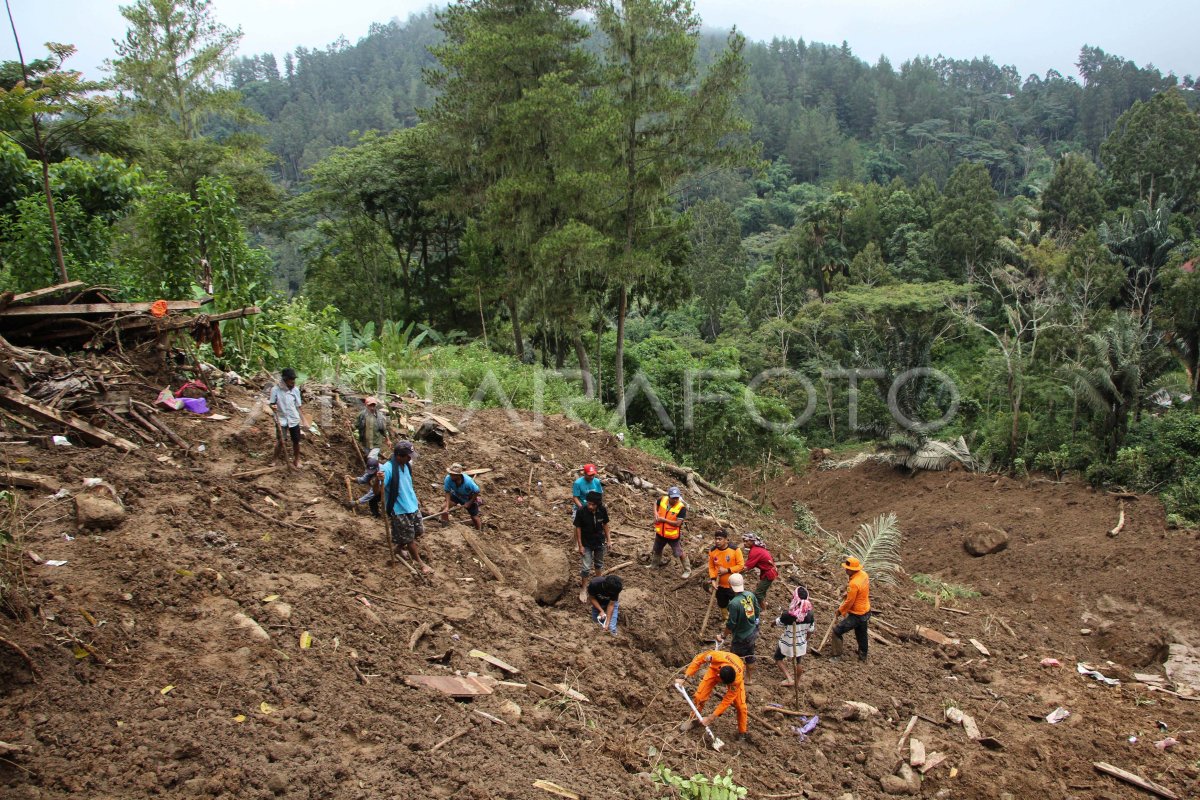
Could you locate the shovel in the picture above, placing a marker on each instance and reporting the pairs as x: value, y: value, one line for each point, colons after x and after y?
x: 717, y: 744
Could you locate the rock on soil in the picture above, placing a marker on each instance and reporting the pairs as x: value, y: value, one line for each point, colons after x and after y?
x: 97, y: 512
x: 550, y: 566
x: 985, y: 539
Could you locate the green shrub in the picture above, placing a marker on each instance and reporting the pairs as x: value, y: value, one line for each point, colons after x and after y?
x: 700, y: 786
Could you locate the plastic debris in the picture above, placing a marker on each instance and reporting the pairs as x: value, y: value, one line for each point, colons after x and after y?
x: 61, y: 441
x: 1057, y: 715
x: 54, y: 563
x: 1167, y: 743
x: 1092, y: 672
x: 809, y: 724
x: 1050, y: 662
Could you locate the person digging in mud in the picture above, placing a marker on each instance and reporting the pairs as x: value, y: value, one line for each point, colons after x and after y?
x: 591, y: 539
x: 741, y: 626
x: 285, y: 402
x: 730, y: 670
x: 856, y: 606
x: 368, y: 478
x: 723, y: 561
x: 585, y: 483
x: 668, y: 519
x: 372, y: 425
x: 461, y: 490
x: 798, y: 622
x: 760, y: 558
x: 604, y: 594
x: 400, y: 501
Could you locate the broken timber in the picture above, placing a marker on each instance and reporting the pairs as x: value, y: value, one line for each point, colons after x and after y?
x: 477, y: 548
x: 29, y: 480
x: 495, y: 662
x: 929, y: 634
x: 1136, y: 780
x: 93, y: 309
x: 453, y: 685
x: 89, y: 433
x: 555, y: 789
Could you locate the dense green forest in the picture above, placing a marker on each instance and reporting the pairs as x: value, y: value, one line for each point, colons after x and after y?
x: 730, y: 251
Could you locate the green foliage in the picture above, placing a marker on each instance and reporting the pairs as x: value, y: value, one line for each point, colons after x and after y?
x: 941, y: 589
x: 803, y: 519
x: 1154, y: 152
x: 877, y: 547
x: 699, y: 786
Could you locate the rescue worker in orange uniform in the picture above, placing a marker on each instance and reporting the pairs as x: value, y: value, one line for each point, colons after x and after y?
x: 856, y: 606
x: 728, y: 669
x: 668, y: 519
x: 723, y: 561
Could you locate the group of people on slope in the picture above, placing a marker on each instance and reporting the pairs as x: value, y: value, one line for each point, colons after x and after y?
x: 741, y: 609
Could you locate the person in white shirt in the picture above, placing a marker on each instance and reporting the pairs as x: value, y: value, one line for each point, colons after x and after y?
x: 285, y: 402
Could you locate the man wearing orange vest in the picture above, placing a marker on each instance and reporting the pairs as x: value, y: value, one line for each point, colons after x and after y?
x: 729, y: 670
x: 723, y: 561
x: 856, y: 606
x: 668, y: 519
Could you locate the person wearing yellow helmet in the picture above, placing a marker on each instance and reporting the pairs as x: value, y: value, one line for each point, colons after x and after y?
x: 856, y: 607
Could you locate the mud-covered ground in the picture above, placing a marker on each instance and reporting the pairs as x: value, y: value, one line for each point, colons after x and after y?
x: 153, y: 604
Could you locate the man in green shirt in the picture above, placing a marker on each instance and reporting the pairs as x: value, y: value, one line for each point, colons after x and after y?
x: 742, y: 624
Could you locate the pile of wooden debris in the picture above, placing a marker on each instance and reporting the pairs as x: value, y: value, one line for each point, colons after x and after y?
x: 86, y: 397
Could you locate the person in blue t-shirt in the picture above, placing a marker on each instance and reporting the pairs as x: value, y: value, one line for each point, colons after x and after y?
x: 461, y: 490
x: 401, y: 503
x: 588, y: 482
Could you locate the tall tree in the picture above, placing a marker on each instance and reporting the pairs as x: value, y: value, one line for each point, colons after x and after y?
x: 967, y: 221
x: 170, y: 66
x: 670, y: 125
x: 1154, y: 153
x: 517, y: 128
x: 47, y: 108
x: 1073, y: 200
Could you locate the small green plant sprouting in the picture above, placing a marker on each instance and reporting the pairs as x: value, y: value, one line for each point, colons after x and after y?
x: 941, y: 589
x: 699, y: 786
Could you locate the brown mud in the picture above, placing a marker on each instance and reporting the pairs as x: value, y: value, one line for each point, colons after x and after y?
x: 153, y: 604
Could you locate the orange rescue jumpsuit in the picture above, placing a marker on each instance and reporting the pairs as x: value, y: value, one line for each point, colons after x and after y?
x: 735, y: 693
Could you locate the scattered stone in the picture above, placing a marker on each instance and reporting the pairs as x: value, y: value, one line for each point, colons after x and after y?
x: 510, y: 712
x: 255, y: 630
x: 281, y: 611
x: 1085, y: 631
x: 98, y: 513
x: 854, y: 710
x: 278, y: 783
x: 985, y: 540
x: 818, y: 700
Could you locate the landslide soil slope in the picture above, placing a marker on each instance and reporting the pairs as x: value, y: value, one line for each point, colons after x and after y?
x: 155, y: 600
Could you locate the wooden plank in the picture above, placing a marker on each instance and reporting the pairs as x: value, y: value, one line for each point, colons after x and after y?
x: 495, y: 662
x: 916, y: 752
x: 474, y: 472
x: 929, y: 634
x: 89, y: 432
x: 555, y: 789
x: 49, y: 290
x: 477, y: 548
x: 253, y: 473
x: 450, y: 685
x: 878, y: 637
x: 931, y: 760
x: 1136, y: 780
x: 86, y: 309
x: 29, y: 480
x: 912, y: 723
x: 445, y: 423
x: 571, y: 693
x: 978, y: 645
x: 956, y: 610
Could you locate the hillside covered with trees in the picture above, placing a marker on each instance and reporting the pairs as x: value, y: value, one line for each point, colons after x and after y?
x: 730, y: 251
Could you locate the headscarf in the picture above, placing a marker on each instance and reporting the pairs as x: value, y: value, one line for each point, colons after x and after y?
x: 753, y: 538
x: 800, y: 606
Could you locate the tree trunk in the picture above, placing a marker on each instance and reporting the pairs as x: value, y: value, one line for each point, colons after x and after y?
x: 619, y: 366
x: 518, y: 342
x: 58, y: 253
x: 585, y: 366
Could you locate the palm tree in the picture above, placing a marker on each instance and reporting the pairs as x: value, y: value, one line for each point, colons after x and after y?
x: 1120, y: 361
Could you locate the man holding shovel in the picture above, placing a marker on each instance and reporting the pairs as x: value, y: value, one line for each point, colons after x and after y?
x: 725, y: 668
x: 461, y: 490
x: 400, y: 502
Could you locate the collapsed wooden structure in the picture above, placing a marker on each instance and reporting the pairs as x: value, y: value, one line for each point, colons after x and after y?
x: 86, y: 396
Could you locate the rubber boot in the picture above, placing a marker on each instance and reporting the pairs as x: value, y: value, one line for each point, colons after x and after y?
x: 656, y: 560
x: 687, y: 566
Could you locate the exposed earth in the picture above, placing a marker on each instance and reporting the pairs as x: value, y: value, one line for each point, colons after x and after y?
x: 151, y: 682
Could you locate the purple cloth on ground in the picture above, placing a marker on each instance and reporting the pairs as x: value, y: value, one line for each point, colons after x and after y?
x: 196, y: 405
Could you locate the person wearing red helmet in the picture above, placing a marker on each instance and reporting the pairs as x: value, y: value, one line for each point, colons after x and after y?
x: 589, y: 481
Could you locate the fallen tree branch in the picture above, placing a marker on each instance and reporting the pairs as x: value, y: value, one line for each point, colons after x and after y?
x: 16, y: 648
x: 689, y: 476
x: 278, y: 520
x: 450, y: 739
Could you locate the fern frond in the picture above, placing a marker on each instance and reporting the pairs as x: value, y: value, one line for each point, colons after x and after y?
x: 877, y: 547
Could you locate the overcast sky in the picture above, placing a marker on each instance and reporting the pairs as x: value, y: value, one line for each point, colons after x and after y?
x: 1035, y: 35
